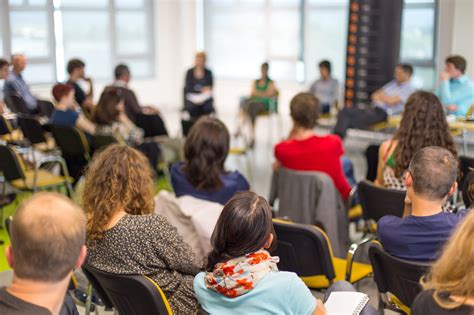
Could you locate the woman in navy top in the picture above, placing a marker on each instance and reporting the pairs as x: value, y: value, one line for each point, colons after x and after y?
x: 199, y: 81
x: 202, y: 175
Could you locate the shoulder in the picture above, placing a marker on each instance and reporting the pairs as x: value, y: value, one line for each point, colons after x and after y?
x: 423, y: 301
x: 388, y: 221
x: 199, y: 282
x: 331, y: 139
x: 177, y: 169
x: 460, y: 214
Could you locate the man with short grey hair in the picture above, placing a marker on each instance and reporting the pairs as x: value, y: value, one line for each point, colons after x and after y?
x: 425, y: 227
x: 48, y: 233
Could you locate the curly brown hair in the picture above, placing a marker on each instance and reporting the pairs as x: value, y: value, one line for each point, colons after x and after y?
x: 423, y: 124
x: 118, y: 177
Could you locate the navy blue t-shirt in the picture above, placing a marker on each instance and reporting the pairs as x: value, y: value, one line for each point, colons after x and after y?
x: 66, y: 118
x: 233, y: 182
x: 417, y: 238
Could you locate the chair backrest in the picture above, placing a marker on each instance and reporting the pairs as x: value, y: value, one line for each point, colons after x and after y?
x: 72, y: 141
x: 152, y: 125
x: 186, y: 125
x: 32, y: 129
x: 303, y: 249
x: 377, y: 201
x: 5, y: 126
x: 129, y: 294
x: 372, y: 157
x: 101, y: 141
x: 397, y: 276
x: 46, y: 108
x: 466, y: 164
x: 465, y: 189
x: 16, y: 103
x: 10, y: 165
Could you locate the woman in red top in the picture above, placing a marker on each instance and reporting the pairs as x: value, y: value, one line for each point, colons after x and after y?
x: 306, y: 151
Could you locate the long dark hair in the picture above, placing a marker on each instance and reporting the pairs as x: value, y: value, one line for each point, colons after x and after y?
x: 206, y: 150
x: 423, y: 124
x: 243, y: 227
x: 106, y: 111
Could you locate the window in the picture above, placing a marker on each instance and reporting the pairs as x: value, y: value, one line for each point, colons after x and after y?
x: 240, y: 34
x: 103, y: 33
x: 418, y: 40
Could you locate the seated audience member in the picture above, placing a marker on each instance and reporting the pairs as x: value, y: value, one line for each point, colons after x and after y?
x: 424, y: 228
x: 132, y: 107
x: 3, y: 75
x: 47, y: 233
x: 449, y: 286
x: 15, y: 84
x: 65, y: 113
x: 202, y: 175
x: 198, y: 99
x: 262, y: 99
x: 456, y: 91
x: 386, y: 101
x: 325, y: 88
x: 423, y: 124
x: 124, y: 236
x: 242, y: 277
x: 75, y: 69
x: 306, y: 151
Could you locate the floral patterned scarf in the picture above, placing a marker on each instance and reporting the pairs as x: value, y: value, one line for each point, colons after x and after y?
x: 238, y: 276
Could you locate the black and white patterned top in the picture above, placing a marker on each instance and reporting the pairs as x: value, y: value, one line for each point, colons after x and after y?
x: 149, y: 245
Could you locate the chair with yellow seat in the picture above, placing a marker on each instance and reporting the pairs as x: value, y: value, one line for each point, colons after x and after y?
x: 306, y: 250
x: 398, y: 280
x: 128, y: 294
x: 20, y: 178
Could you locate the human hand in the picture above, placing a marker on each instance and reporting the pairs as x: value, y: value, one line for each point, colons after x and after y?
x: 444, y: 76
x: 452, y: 108
x: 276, y: 165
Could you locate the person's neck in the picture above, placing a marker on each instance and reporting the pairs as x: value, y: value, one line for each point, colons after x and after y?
x: 16, y: 71
x: 61, y: 106
x: 49, y: 295
x: 74, y: 78
x: 457, y: 76
x: 300, y: 133
x: 116, y: 216
x: 122, y: 81
x: 422, y: 207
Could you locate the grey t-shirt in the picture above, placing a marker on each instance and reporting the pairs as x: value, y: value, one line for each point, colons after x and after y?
x: 11, y: 305
x: 325, y: 90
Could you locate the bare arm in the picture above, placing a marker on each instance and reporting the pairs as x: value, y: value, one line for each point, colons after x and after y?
x: 85, y: 125
x: 320, y: 309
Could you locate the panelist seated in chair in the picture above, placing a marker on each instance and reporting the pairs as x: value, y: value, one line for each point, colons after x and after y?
x: 132, y: 106
x: 15, y: 84
x: 66, y: 113
x: 456, y: 90
x: 198, y: 100
x: 263, y: 98
x: 386, y: 101
x: 448, y: 286
x: 241, y: 275
x: 424, y: 228
x: 124, y: 236
x: 76, y: 70
x: 202, y: 175
x: 423, y: 124
x: 306, y: 151
x: 326, y: 88
x: 47, y: 242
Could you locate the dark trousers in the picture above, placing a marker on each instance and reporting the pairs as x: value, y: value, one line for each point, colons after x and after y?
x: 196, y: 111
x: 358, y: 118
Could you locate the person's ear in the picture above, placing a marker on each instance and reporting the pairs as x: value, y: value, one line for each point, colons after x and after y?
x: 269, y: 242
x: 9, y: 255
x: 82, y: 257
x: 453, y: 189
x: 408, y: 179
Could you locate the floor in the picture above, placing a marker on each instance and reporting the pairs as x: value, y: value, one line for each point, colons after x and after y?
x: 256, y: 166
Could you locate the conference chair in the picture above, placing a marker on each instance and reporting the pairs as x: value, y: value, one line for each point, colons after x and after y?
x: 152, y: 125
x: 306, y: 250
x: 9, y: 134
x: 466, y: 164
x: 468, y: 181
x: 74, y: 147
x: 398, y: 280
x: 16, y: 103
x: 377, y: 201
x: 128, y: 294
x: 100, y: 142
x: 372, y: 158
x: 34, y: 132
x: 271, y: 113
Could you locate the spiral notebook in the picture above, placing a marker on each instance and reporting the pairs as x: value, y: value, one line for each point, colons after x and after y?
x: 346, y: 303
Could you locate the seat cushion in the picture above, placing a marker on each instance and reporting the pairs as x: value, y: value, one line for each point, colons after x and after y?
x: 44, y: 179
x: 359, y: 271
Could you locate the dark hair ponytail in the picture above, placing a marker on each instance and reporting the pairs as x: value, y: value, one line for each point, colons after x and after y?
x: 243, y: 227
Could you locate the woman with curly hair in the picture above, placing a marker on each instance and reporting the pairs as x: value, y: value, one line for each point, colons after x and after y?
x: 449, y: 287
x: 423, y: 124
x: 124, y: 236
x: 202, y: 175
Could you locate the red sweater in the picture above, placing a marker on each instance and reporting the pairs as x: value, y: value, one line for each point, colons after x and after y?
x: 316, y: 153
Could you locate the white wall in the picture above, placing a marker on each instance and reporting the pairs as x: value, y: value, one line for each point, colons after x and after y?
x: 463, y: 32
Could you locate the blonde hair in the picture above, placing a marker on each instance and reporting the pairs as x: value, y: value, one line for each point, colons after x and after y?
x: 453, y: 272
x: 118, y: 177
x: 201, y: 54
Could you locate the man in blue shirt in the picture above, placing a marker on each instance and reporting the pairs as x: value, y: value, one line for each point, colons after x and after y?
x: 425, y: 227
x: 16, y: 84
x: 388, y: 100
x: 456, y: 91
